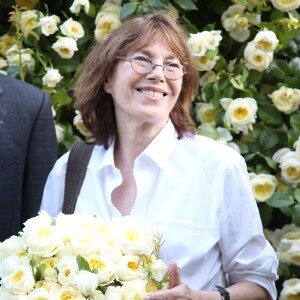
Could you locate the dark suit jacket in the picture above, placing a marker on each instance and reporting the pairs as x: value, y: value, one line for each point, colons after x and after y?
x: 28, y: 151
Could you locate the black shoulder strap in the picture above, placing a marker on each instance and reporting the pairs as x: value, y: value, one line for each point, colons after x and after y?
x: 78, y: 160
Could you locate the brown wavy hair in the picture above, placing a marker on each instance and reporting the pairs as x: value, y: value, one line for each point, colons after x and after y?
x: 97, y: 107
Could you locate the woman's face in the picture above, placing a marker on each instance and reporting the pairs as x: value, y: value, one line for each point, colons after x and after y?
x: 144, y: 98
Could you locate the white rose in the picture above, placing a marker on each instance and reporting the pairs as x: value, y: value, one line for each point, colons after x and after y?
x: 132, y: 237
x: 67, y: 267
x: 109, y: 7
x: 158, y: 269
x: 6, y: 42
x: 20, y: 281
x: 105, y: 23
x: 113, y: 293
x: 291, y: 289
x: 129, y: 268
x: 86, y: 282
x: 257, y: 59
x: 287, y: 243
x: 28, y: 21
x: 51, y: 286
x: 50, y: 272
x: 98, y: 295
x: 106, y: 268
x: 203, y: 41
x: 266, y: 40
x: 284, y: 5
x: 17, y: 58
x: 263, y: 186
x: 65, y: 47
x: 290, y: 167
x: 279, y: 153
x: 13, y: 245
x: 42, y: 238
x: 78, y: 4
x: 52, y: 78
x: 134, y: 290
x: 78, y: 123
x: 72, y: 29
x: 205, y: 113
x: 39, y: 293
x: 68, y: 292
x: 285, y: 99
x: 48, y: 24
x: 237, y: 22
x: 204, y: 63
x: 240, y: 113
x: 7, y: 294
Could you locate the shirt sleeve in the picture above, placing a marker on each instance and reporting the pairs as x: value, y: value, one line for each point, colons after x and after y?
x: 53, y: 194
x: 246, y: 254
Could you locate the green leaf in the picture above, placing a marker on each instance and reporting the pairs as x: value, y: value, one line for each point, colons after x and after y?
x: 295, y: 122
x: 294, y: 65
x: 128, y: 9
x: 275, y: 71
x: 296, y: 215
x: 186, y: 5
x: 270, y: 115
x: 254, y: 77
x: 208, y: 131
x: 268, y: 139
x: 83, y: 264
x: 265, y: 213
x: 40, y: 272
x: 297, y: 195
x: 280, y: 199
x: 271, y: 163
x: 61, y: 98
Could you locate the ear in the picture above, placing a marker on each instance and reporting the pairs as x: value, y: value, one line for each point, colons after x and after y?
x: 107, y: 86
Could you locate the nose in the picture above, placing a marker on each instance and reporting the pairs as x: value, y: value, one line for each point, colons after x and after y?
x: 156, y: 73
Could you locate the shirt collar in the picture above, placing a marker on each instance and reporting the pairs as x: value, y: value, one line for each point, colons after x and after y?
x: 162, y: 146
x: 159, y: 150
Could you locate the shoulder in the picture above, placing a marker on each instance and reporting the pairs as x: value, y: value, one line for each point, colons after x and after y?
x: 12, y: 87
x: 209, y: 152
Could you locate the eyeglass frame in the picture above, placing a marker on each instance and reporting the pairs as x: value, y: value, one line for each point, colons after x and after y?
x: 153, y: 66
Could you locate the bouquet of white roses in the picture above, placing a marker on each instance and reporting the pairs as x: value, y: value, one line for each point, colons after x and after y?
x: 80, y: 257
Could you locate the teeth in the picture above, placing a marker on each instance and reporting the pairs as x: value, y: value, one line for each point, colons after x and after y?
x: 152, y: 93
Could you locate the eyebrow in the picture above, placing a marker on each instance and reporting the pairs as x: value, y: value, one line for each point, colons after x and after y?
x: 149, y: 54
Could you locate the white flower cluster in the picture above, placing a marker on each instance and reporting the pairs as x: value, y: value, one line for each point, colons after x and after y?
x: 237, y: 22
x: 81, y: 257
x: 259, y: 52
x: 107, y: 19
x: 204, y: 47
x: 289, y: 163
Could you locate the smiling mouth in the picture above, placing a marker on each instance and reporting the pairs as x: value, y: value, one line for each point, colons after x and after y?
x: 152, y: 93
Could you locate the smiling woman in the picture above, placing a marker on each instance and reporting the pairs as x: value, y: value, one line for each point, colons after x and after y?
x: 134, y: 94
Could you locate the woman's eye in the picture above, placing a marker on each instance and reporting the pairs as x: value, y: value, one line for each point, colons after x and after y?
x: 142, y: 58
x: 174, y: 65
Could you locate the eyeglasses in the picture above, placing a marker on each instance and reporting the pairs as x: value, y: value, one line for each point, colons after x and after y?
x: 144, y: 65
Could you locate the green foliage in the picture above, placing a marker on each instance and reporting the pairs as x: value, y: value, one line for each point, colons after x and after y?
x: 275, y: 123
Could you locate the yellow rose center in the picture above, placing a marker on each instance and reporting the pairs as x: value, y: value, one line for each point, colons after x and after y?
x: 263, y: 190
x: 67, y: 272
x: 50, y: 263
x: 97, y: 264
x: 202, y: 60
x: 44, y: 232
x: 258, y: 58
x: 132, y: 265
x: 68, y: 295
x: 17, y: 277
x: 132, y: 235
x: 240, y: 113
x: 293, y: 173
x: 265, y: 45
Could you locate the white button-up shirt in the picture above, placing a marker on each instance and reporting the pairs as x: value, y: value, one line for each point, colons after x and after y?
x: 194, y: 191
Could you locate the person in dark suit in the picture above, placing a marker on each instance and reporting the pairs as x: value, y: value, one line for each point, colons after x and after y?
x: 28, y: 151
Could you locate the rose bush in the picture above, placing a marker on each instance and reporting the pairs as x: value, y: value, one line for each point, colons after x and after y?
x: 247, y: 52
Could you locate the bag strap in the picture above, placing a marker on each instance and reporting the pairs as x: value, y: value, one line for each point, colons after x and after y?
x: 78, y: 160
